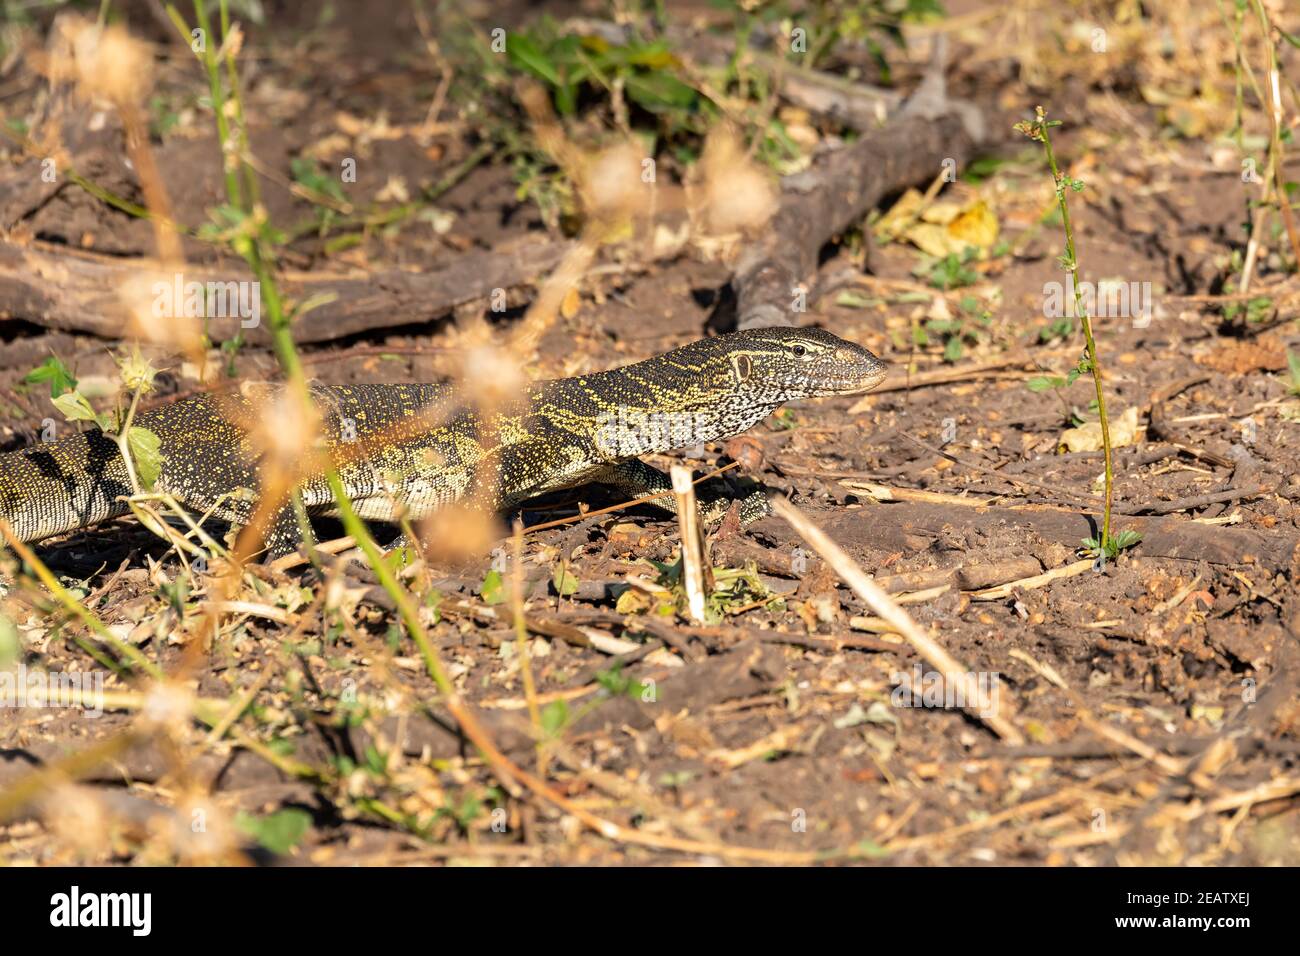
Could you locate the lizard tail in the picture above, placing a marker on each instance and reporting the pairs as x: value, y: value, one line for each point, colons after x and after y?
x: 60, y: 486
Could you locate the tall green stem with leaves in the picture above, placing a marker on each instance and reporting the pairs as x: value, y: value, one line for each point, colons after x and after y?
x: 252, y: 244
x: 1038, y: 130
x: 1274, y: 106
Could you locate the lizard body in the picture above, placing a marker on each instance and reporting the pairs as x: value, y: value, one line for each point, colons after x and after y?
x: 423, y: 446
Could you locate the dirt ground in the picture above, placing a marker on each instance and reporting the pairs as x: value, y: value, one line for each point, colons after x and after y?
x: 1155, y: 695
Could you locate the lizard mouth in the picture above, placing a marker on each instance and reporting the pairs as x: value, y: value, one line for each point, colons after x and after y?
x: 862, y: 385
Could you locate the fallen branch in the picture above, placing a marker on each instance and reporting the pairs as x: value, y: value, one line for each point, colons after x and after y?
x: 63, y: 288
x: 817, y: 204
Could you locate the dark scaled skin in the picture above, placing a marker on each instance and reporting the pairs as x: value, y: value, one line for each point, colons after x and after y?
x: 409, y: 449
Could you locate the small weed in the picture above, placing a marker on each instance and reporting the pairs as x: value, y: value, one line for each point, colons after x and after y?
x: 950, y: 272
x: 278, y: 832
x: 968, y: 328
x: 53, y: 371
x: 1038, y: 130
x: 1117, y: 542
x: 1253, y: 311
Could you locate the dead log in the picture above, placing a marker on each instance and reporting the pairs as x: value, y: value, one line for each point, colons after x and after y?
x: 912, y: 148
x: 63, y: 288
x: 828, y: 199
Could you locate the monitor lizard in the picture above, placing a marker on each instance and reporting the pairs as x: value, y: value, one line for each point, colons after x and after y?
x: 417, y: 447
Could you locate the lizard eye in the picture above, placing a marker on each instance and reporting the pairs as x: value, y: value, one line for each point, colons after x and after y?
x: 800, y: 351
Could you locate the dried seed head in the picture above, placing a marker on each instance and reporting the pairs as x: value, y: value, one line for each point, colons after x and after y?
x: 78, y: 817
x: 156, y: 312
x: 612, y: 189
x: 491, y: 376
x: 167, y: 707
x: 200, y: 831
x: 136, y: 371
x: 286, y: 429
x: 458, y: 533
x: 738, y: 196
x: 107, y: 63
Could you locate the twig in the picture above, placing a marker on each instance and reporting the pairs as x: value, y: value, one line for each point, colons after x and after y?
x: 1199, y: 501
x: 1030, y: 583
x: 521, y: 636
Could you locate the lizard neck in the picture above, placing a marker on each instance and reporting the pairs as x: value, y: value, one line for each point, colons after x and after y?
x: 656, y: 406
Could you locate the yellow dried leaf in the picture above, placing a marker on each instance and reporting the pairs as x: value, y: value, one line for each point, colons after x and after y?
x: 572, y: 301
x: 976, y: 226
x: 1123, y: 431
x: 899, y: 215
x: 941, y: 213
x: 931, y: 239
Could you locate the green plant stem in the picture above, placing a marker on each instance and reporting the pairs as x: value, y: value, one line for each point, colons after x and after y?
x: 292, y: 366
x: 209, y: 60
x: 237, y: 101
x: 1086, y: 321
x: 1273, y: 104
x: 124, y: 444
x: 259, y: 261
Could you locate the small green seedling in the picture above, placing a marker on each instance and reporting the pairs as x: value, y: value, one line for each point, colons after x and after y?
x: 968, y: 328
x: 1117, y: 542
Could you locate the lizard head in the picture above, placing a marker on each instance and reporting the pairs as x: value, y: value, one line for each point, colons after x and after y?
x: 784, y: 364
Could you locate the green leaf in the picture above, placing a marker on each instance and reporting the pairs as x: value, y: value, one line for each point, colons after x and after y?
x: 11, y: 645
x: 1059, y: 329
x: 982, y: 168
x: 1041, y: 383
x: 853, y: 300
x: 566, y: 99
x: 280, y: 832
x: 52, y: 370
x: 659, y: 92
x: 1126, y: 539
x: 952, y: 351
x: 493, y: 590
x: 75, y: 408
x: 617, y: 684
x: 1293, y: 364
x: 654, y: 56
x: 307, y: 173
x: 145, y: 452
x: 565, y: 581
x: 555, y: 716
x: 951, y: 272
x: 525, y: 53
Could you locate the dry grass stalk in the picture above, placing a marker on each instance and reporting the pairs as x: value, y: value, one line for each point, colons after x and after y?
x: 688, y: 519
